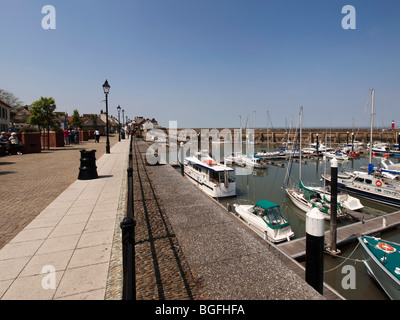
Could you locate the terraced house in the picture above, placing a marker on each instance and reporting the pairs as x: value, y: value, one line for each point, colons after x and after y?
x: 4, y: 116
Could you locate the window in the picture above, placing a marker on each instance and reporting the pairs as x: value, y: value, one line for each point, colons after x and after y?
x: 368, y: 181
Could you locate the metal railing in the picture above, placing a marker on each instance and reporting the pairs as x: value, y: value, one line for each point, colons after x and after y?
x: 128, y: 238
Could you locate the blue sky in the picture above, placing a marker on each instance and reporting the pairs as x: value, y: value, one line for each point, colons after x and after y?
x: 204, y: 63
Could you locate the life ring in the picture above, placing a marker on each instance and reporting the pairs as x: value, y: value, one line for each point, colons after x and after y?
x: 378, y: 183
x: 385, y: 247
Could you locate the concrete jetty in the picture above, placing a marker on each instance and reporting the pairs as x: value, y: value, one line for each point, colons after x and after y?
x: 229, y: 260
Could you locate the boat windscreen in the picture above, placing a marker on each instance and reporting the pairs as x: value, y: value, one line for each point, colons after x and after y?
x: 272, y: 216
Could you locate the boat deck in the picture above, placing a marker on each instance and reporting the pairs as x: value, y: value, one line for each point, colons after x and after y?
x: 297, y: 248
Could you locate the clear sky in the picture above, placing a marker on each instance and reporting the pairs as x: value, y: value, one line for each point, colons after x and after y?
x: 205, y: 63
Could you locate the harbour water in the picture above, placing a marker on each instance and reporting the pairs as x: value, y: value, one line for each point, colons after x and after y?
x: 268, y: 184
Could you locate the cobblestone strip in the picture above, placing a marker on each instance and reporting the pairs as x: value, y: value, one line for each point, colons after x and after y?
x: 161, y: 268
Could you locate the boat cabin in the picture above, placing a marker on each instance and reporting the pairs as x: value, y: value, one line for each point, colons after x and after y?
x: 271, y: 213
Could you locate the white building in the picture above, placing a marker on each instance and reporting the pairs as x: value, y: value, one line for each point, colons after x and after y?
x: 4, y: 116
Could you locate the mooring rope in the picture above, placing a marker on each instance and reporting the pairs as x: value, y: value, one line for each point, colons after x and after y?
x: 346, y: 258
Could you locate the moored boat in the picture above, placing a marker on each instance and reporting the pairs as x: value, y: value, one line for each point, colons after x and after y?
x: 379, y: 186
x: 211, y: 177
x: 382, y: 260
x: 267, y: 217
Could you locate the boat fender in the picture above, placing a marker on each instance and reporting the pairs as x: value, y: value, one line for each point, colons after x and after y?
x: 385, y: 247
x: 378, y: 183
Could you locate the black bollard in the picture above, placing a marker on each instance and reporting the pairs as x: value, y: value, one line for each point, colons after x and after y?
x: 315, y: 234
x: 88, y: 168
x: 182, y: 160
x: 128, y: 256
x: 334, y: 174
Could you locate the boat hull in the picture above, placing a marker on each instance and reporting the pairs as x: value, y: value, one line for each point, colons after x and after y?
x: 369, y: 195
x: 378, y: 196
x: 274, y: 235
x: 212, y: 189
x: 300, y: 202
x: 376, y: 269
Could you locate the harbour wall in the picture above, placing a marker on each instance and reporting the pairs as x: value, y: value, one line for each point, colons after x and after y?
x: 309, y: 135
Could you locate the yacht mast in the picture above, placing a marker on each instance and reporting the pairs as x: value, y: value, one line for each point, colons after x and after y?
x: 301, y: 129
x: 372, y: 124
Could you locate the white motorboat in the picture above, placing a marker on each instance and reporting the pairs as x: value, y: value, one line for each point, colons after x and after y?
x: 266, y: 217
x: 379, y: 186
x: 379, y: 147
x: 269, y: 154
x: 211, y: 177
x: 312, y: 148
x: 253, y: 162
x: 388, y: 166
x: 234, y: 158
x: 336, y: 154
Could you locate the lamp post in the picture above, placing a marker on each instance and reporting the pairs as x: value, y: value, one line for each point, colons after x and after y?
x: 106, y: 88
x: 123, y: 124
x: 119, y: 124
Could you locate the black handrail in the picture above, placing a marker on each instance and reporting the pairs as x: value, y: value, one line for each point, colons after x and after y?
x: 128, y: 238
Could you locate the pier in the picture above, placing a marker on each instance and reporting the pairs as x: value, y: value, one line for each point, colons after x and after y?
x: 297, y: 248
x: 228, y: 258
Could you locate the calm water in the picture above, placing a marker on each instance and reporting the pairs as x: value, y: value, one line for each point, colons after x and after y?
x: 268, y: 184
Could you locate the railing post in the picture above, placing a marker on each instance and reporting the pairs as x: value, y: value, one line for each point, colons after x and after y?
x: 128, y: 256
x: 128, y: 240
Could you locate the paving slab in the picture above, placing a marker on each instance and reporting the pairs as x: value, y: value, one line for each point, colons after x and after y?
x: 64, y: 252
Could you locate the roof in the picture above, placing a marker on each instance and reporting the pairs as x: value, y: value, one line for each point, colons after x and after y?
x: 5, y: 105
x: 266, y: 204
x: 216, y: 167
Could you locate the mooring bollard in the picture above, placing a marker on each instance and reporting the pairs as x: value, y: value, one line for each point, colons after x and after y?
x: 315, y: 234
x: 333, y: 223
x: 88, y: 168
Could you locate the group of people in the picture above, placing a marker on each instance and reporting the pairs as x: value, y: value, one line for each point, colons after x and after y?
x: 11, y: 142
x: 71, y: 136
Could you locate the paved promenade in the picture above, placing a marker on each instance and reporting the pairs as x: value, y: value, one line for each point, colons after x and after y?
x: 30, y: 182
x: 64, y: 252
x: 187, y: 245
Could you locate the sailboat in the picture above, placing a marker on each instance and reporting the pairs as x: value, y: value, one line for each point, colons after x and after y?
x: 305, y: 198
x: 266, y: 154
x: 377, y: 185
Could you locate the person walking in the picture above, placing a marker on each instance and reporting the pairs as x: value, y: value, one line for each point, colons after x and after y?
x: 71, y: 136
x: 97, y: 135
x: 15, y: 143
x: 66, y: 137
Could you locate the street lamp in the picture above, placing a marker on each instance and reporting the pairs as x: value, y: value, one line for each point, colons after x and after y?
x: 123, y: 124
x: 106, y: 88
x: 119, y: 124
